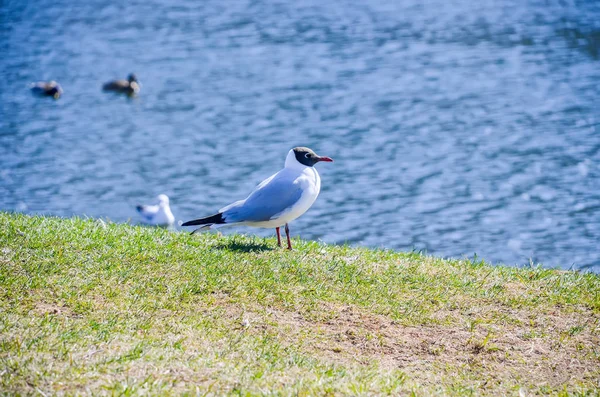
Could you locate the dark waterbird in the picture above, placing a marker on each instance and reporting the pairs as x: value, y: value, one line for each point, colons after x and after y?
x: 129, y: 86
x: 47, y: 88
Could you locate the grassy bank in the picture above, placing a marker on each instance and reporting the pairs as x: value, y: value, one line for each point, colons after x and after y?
x: 99, y: 308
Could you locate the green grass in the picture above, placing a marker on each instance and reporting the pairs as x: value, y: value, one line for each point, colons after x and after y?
x: 88, y: 307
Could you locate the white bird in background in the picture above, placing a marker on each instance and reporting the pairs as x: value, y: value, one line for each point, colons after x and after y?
x: 277, y: 200
x: 157, y: 215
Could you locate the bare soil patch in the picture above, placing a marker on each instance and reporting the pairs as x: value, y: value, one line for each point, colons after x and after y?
x: 550, y: 349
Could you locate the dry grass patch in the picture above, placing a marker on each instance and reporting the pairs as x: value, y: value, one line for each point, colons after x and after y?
x: 553, y: 350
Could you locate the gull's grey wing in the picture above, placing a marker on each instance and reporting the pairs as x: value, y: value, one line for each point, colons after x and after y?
x: 147, y: 211
x: 278, y: 194
x: 241, y: 202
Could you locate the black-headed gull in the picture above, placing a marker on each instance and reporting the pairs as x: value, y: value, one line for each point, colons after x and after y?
x: 157, y: 215
x: 277, y: 200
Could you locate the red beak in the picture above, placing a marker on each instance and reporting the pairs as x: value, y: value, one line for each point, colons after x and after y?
x: 326, y: 159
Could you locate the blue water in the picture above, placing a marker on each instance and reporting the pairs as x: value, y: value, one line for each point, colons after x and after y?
x: 457, y: 127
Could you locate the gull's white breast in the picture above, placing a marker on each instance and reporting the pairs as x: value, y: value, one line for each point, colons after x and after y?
x: 310, y: 183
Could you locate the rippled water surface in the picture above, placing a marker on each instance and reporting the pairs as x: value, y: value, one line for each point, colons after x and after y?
x: 457, y: 127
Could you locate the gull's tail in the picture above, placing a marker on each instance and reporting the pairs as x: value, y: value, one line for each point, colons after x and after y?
x: 216, y: 219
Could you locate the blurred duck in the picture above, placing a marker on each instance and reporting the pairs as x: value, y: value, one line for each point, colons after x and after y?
x: 129, y: 86
x: 157, y: 215
x: 47, y: 88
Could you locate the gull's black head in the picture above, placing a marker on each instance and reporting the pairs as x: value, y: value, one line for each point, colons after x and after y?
x: 307, y: 157
x: 132, y: 77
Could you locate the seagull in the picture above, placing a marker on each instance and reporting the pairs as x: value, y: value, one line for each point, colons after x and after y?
x: 47, y: 88
x: 277, y: 200
x: 129, y: 86
x: 157, y: 215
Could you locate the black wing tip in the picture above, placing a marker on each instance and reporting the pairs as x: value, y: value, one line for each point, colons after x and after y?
x: 209, y: 220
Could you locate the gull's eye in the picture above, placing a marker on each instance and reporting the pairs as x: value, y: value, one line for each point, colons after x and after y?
x: 307, y: 155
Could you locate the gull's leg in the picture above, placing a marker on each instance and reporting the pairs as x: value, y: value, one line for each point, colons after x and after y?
x: 287, y: 233
x: 278, y: 236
